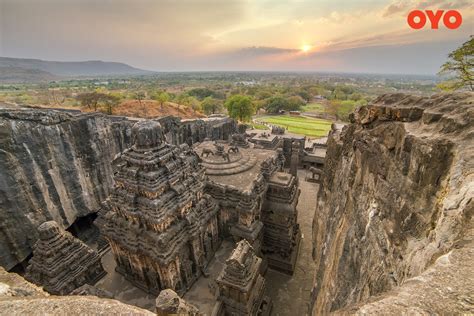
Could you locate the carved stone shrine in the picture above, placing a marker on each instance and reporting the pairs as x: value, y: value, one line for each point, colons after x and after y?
x: 61, y: 263
x: 241, y: 286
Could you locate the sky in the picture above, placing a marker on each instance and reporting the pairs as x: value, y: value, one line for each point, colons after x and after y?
x: 368, y: 36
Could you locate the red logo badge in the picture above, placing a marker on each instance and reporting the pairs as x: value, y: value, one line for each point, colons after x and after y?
x: 417, y: 19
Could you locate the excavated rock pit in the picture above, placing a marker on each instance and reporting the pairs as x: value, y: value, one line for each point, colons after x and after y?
x: 392, y: 230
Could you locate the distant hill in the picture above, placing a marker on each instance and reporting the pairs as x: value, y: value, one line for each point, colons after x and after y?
x: 11, y: 74
x: 42, y: 69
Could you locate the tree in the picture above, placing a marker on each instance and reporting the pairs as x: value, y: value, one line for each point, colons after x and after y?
x: 305, y: 95
x: 460, y: 64
x: 201, y: 93
x: 295, y: 103
x: 279, y: 103
x: 194, y: 104
x: 90, y: 99
x: 162, y: 98
x: 239, y: 107
x: 110, y: 101
x: 332, y: 107
x: 140, y: 96
x: 211, y: 106
x: 276, y: 104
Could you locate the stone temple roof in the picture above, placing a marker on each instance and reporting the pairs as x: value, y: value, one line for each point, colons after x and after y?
x: 241, y: 268
x: 241, y: 171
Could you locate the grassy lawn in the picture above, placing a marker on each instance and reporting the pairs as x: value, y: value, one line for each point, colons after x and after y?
x: 299, y: 124
x: 313, y: 107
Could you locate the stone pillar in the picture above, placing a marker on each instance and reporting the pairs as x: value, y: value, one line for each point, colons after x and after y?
x: 295, y: 150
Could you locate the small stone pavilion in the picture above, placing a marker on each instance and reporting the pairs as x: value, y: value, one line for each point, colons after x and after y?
x: 241, y: 286
x: 162, y: 229
x: 61, y: 263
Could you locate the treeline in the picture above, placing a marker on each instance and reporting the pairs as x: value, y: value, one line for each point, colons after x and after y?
x: 240, y: 99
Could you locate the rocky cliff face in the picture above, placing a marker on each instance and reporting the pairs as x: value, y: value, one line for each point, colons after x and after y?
x: 394, y: 211
x: 53, y: 166
x: 56, y: 165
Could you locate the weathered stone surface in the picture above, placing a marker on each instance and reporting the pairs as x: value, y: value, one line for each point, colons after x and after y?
x: 56, y: 165
x: 169, y: 303
x: 446, y: 287
x: 191, y: 131
x: 62, y: 263
x: 395, y: 207
x: 19, y: 297
x: 53, y: 166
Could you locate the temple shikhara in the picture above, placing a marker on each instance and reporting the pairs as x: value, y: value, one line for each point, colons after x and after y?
x: 62, y: 263
x: 163, y: 228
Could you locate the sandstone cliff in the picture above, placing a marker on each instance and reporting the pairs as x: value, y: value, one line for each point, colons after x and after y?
x: 393, y: 222
x: 56, y: 165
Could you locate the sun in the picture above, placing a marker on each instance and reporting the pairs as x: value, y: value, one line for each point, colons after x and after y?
x: 306, y: 48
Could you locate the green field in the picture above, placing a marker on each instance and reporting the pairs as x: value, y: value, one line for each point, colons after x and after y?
x: 299, y: 124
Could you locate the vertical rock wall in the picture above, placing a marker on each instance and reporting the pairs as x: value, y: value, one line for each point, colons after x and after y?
x: 396, y: 195
x: 53, y: 166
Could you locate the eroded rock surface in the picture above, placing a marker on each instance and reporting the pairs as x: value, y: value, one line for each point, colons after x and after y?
x: 395, y: 207
x: 169, y: 303
x: 19, y: 297
x: 53, y: 166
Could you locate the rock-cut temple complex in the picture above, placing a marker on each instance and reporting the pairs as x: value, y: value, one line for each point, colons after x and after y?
x: 162, y: 228
x: 172, y: 206
x: 200, y: 213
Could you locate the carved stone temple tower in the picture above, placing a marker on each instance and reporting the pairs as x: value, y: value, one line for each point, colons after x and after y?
x: 61, y: 263
x: 241, y: 287
x: 282, y: 234
x: 162, y: 228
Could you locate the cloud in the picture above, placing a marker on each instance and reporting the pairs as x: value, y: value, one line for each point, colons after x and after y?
x: 395, y: 8
x: 402, y: 7
x: 264, y: 50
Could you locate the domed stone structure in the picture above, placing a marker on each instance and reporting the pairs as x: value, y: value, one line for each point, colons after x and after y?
x: 147, y: 134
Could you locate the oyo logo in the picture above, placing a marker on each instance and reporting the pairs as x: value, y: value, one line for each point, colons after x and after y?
x: 417, y: 19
